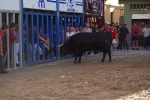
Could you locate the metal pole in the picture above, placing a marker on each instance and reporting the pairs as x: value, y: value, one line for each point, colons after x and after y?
x: 0, y: 20
x: 8, y: 51
x: 14, y: 47
x: 83, y: 14
x: 57, y: 30
x: 20, y: 33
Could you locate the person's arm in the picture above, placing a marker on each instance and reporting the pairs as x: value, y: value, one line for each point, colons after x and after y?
x: 43, y: 39
x: 143, y: 33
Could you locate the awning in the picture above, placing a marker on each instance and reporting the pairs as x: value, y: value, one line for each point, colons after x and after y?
x: 140, y: 16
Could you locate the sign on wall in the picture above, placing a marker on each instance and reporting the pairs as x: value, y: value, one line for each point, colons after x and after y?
x: 71, y: 6
x: 94, y: 7
x: 12, y: 5
x: 40, y: 4
x: 64, y: 5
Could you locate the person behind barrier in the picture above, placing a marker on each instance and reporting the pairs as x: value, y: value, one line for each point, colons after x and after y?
x: 71, y: 31
x: 12, y: 38
x: 81, y: 29
x: 35, y: 42
x: 77, y: 30
x: 2, y: 31
x: 17, y: 44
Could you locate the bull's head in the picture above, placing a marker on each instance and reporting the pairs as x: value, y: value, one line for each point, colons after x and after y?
x: 65, y: 49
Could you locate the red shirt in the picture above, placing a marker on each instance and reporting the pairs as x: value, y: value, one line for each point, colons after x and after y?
x: 135, y: 31
x: 12, y: 38
x: 113, y: 33
x: 1, y: 35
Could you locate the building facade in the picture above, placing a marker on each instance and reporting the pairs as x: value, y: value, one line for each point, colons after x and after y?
x: 135, y: 11
x: 113, y: 11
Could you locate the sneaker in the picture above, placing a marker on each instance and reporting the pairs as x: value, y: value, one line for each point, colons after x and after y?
x: 137, y: 48
x: 145, y: 49
x: 4, y: 72
x: 133, y: 49
x: 123, y: 49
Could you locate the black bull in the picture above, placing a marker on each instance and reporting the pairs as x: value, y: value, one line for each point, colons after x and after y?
x: 82, y: 42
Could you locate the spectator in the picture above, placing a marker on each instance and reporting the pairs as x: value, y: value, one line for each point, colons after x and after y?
x: 81, y: 29
x: 96, y: 27
x: 77, y: 30
x: 17, y: 44
x: 87, y: 29
x: 67, y: 33
x: 123, y: 36
x: 12, y: 38
x: 71, y: 31
x: 35, y: 42
x: 93, y: 27
x: 146, y: 34
x: 135, y: 33
x: 3, y: 30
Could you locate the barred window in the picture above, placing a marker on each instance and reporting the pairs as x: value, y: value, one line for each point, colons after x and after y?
x: 138, y: 6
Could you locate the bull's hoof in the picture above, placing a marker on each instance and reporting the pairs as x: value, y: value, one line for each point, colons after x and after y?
x: 102, y: 60
x: 79, y: 61
x: 109, y: 61
x: 75, y: 62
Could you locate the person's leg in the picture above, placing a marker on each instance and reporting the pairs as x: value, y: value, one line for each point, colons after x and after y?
x: 35, y: 48
x: 17, y: 52
x: 2, y: 69
x: 145, y: 43
x: 126, y: 44
x: 137, y: 43
x: 123, y: 43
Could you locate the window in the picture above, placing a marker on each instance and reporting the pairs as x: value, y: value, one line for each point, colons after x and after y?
x: 138, y: 7
x: 134, y: 5
x: 131, y: 7
x: 144, y: 6
x: 141, y: 7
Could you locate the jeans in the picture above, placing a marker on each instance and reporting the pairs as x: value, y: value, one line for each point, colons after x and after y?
x: 17, y: 52
x: 146, y: 39
x: 121, y: 43
x: 1, y: 62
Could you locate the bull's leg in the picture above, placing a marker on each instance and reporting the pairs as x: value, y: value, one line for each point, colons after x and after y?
x: 104, y: 54
x: 109, y: 54
x: 80, y: 58
x: 75, y: 60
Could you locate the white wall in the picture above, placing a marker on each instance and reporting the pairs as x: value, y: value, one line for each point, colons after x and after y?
x: 12, y: 5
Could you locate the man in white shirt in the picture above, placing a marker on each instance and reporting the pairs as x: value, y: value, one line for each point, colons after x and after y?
x: 146, y: 34
x: 71, y: 31
x: 87, y: 29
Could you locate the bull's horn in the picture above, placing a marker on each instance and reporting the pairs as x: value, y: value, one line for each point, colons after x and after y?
x: 59, y: 45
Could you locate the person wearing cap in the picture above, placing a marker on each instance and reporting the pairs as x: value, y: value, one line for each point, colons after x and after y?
x: 3, y: 30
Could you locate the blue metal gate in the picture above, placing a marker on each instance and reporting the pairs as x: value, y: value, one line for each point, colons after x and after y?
x: 37, y: 25
x: 68, y: 20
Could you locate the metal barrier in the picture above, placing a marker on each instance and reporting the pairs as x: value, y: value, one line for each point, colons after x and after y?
x: 33, y: 48
x: 7, y: 18
x: 67, y: 20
